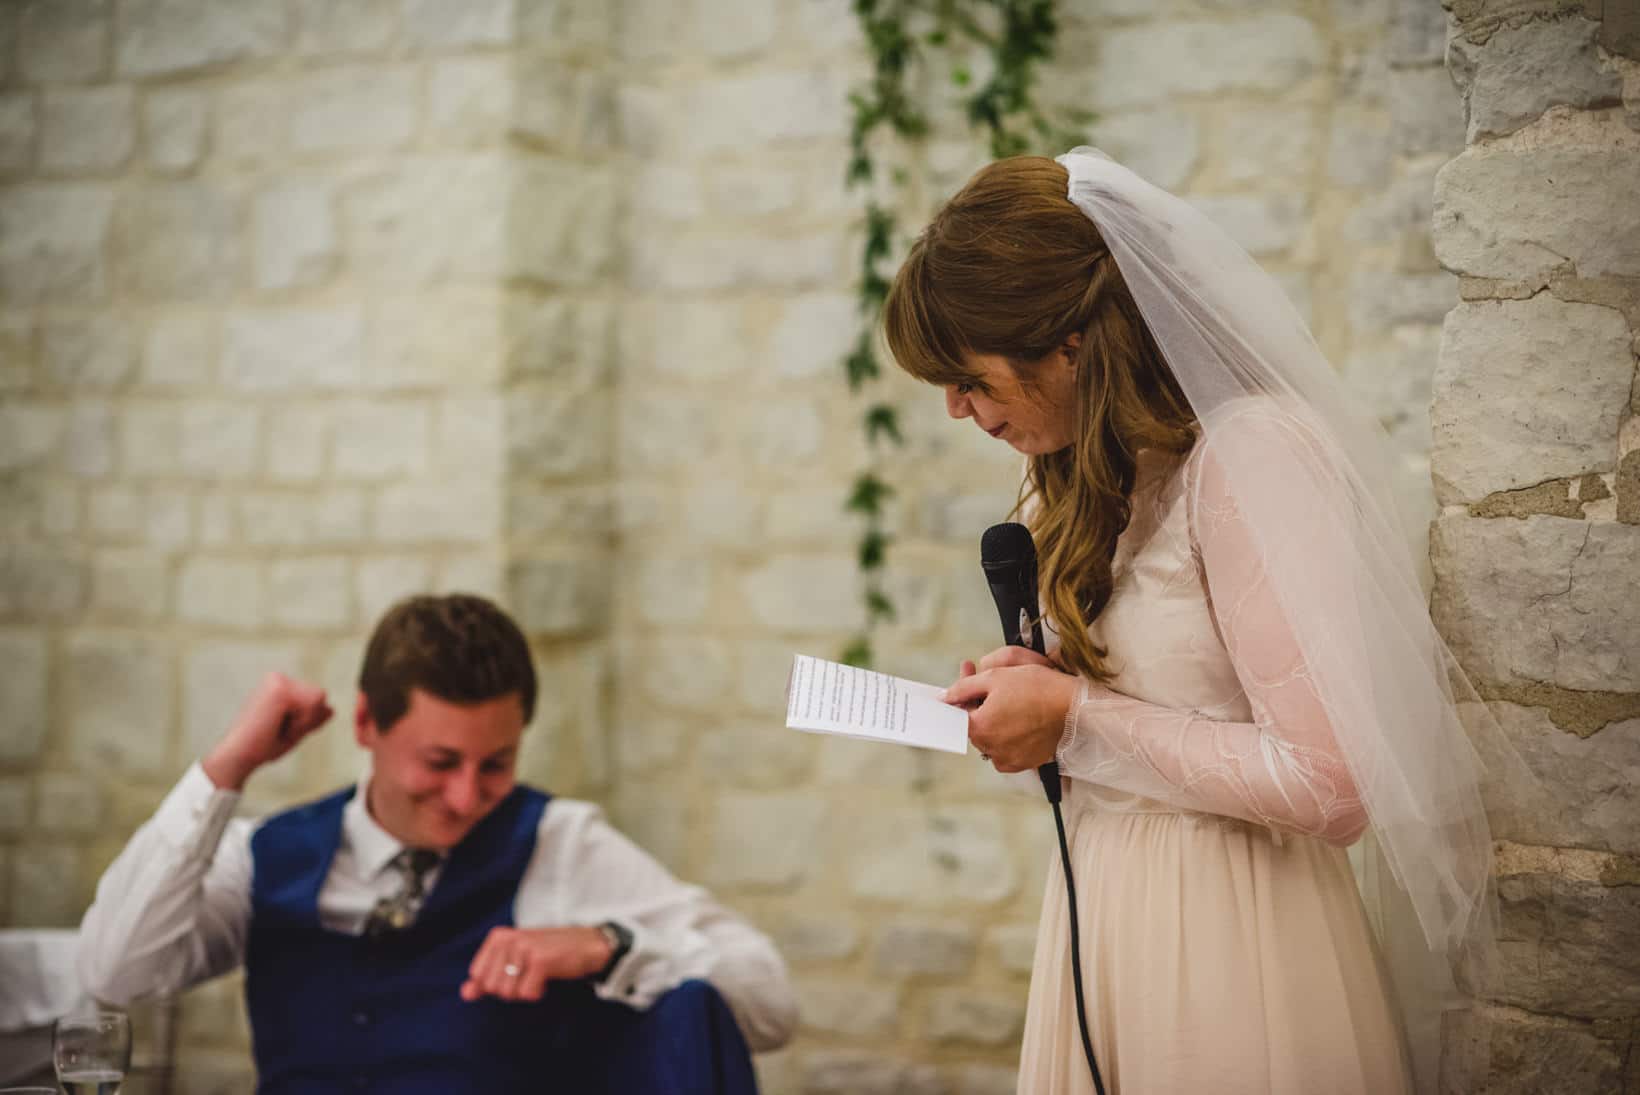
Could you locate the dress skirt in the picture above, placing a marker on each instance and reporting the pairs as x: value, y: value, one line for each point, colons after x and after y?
x: 1216, y: 958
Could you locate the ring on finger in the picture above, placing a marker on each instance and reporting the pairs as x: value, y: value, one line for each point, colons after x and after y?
x: 512, y: 969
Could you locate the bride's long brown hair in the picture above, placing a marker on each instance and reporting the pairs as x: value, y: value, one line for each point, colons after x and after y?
x: 1010, y: 267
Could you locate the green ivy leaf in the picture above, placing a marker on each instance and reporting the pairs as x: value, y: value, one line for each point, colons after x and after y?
x: 883, y: 421
x: 868, y: 495
x: 879, y: 607
x: 857, y: 652
x: 873, y: 546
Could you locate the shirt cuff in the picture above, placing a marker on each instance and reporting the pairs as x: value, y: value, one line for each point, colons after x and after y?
x: 195, y: 813
x: 622, y: 983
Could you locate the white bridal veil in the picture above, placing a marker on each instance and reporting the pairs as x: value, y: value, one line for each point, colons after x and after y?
x: 1392, y: 690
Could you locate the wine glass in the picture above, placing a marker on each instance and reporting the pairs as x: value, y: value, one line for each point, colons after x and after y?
x: 91, y: 1052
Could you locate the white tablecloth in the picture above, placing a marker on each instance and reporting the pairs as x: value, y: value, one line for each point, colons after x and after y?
x: 38, y: 983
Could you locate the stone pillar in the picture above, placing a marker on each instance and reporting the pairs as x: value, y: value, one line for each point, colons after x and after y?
x: 1537, y: 549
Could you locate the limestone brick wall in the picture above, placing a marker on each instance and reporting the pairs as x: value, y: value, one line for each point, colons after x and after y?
x: 303, y: 306
x: 905, y: 888
x: 1537, y: 549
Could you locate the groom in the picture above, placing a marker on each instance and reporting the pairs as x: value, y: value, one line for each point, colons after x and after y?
x: 439, y: 928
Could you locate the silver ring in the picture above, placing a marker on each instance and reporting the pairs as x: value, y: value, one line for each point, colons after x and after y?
x: 511, y: 970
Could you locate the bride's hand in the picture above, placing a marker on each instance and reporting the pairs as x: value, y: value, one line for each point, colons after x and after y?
x: 1016, y: 713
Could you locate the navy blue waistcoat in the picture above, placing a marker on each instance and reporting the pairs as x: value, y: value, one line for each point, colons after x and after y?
x: 332, y: 1012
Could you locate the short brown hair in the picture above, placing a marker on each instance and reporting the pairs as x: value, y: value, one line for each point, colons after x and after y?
x: 458, y: 647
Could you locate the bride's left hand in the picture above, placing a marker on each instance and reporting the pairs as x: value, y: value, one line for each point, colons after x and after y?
x: 1016, y: 712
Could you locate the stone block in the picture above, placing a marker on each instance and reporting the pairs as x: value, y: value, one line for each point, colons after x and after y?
x: 972, y: 1018
x: 571, y: 237
x: 1263, y: 224
x: 130, y: 584
x: 163, y: 37
x: 1130, y: 136
x: 1426, y: 111
x: 1417, y: 33
x: 296, y: 443
x: 1568, y: 368
x: 764, y: 841
x: 364, y: 109
x: 985, y: 1080
x: 1569, y: 937
x: 470, y: 432
x: 380, y: 582
x: 90, y: 131
x: 219, y: 440
x: 89, y: 440
x: 814, y: 333
x: 117, y: 691
x: 1403, y: 209
x: 30, y: 433
x: 17, y: 132
x: 1156, y: 62
x: 180, y: 350
x: 173, y: 124
x: 759, y: 754
x: 1522, y: 71
x: 857, y: 1072
x: 684, y: 673
x: 1505, y: 1051
x: 955, y: 855
x: 923, y: 949
x: 219, y: 676
x: 691, y: 339
x: 288, y: 349
x: 736, y: 262
x: 325, y: 28
x: 470, y: 99
x: 295, y: 232
x: 67, y: 804
x: 665, y: 431
x: 380, y: 440
x: 815, y: 938
x: 1015, y: 946
x: 672, y: 589
x: 557, y: 434
x: 805, y: 594
x: 1258, y: 144
x: 86, y: 351
x: 786, y: 433
x: 17, y: 353
x: 150, y: 439
x: 177, y: 241
x: 221, y: 592
x: 449, y: 339
x: 1575, y: 790
x: 722, y: 512
x: 311, y: 594
x: 250, y: 124
x: 1540, y: 599
x: 1359, y: 149
x: 14, y: 805
x: 854, y: 1008
x: 1381, y: 299
x: 45, y: 888
x: 735, y: 28
x: 63, y: 42
x: 560, y: 596
x: 667, y: 192
x: 52, y: 241
x: 24, y: 662
x: 1517, y: 211
x: 328, y: 518
x: 737, y: 111
x: 440, y: 512
x: 427, y: 219
x: 450, y: 24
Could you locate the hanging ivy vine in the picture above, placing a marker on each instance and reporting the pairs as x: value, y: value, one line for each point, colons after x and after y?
x: 910, y: 40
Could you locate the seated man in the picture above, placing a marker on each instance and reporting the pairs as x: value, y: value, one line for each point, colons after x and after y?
x: 441, y: 928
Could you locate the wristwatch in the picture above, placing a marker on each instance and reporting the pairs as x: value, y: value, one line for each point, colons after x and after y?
x: 620, y: 942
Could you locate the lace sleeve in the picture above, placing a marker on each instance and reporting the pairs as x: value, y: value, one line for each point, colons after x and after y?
x: 1284, y: 769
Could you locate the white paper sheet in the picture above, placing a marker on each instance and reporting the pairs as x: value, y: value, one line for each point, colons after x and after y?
x: 831, y: 698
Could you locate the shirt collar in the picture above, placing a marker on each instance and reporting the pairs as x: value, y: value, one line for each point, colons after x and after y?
x: 373, y: 847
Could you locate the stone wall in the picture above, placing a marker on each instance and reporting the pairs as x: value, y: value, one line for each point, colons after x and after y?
x: 1537, y: 549
x: 307, y: 304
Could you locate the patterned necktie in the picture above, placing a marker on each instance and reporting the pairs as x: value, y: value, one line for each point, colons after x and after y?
x: 395, y: 913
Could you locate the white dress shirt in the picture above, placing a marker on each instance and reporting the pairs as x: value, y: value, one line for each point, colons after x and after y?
x: 174, y: 909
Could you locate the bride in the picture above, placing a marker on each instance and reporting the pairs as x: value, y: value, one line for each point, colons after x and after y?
x: 1246, y: 681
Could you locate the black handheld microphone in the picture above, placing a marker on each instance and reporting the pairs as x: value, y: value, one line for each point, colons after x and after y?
x: 1008, y: 555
